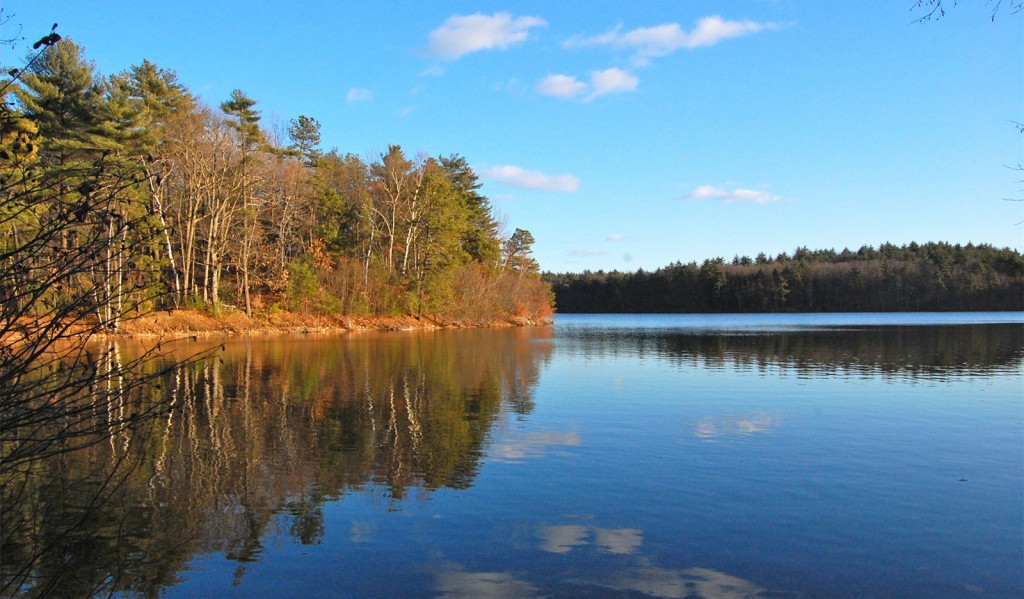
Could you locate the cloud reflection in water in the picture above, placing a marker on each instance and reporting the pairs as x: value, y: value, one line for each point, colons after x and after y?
x: 723, y: 426
x: 456, y: 584
x: 563, y: 538
x: 531, y: 445
x: 621, y: 541
x: 638, y: 575
x: 648, y: 580
x: 700, y: 583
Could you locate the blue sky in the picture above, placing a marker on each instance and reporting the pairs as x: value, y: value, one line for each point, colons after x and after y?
x: 629, y: 135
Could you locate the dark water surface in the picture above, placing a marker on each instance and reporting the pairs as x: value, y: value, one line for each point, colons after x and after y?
x: 606, y: 456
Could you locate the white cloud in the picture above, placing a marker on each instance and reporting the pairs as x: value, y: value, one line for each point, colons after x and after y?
x: 432, y: 71
x: 463, y: 34
x: 651, y: 42
x: 612, y: 81
x: 561, y: 86
x: 514, y: 176
x: 608, y: 81
x: 357, y: 94
x: 615, y: 237
x: 732, y: 196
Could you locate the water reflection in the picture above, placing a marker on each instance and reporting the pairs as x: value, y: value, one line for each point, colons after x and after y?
x: 267, y: 440
x: 531, y: 445
x: 641, y: 579
x: 459, y: 584
x: 906, y: 352
x: 268, y: 428
x: 561, y: 539
x: 636, y: 573
x: 700, y: 583
x: 564, y: 538
x: 620, y: 541
x: 725, y: 426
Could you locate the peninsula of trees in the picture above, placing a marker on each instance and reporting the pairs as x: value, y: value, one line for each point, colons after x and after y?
x: 926, y: 277
x: 124, y: 194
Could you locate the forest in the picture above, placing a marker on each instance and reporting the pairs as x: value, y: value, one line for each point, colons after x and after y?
x: 914, y: 277
x: 124, y: 194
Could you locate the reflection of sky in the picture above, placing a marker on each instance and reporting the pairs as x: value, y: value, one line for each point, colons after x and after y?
x: 709, y: 428
x: 363, y: 532
x: 619, y: 540
x: 531, y: 445
x: 652, y: 581
x: 457, y: 584
x: 635, y: 572
x: 562, y: 539
x: 679, y: 584
x: 856, y: 458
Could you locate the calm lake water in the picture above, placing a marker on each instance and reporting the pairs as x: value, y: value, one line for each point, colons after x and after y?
x: 725, y: 456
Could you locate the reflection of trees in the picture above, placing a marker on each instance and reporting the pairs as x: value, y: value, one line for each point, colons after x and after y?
x: 74, y: 428
x: 907, y: 351
x: 273, y: 428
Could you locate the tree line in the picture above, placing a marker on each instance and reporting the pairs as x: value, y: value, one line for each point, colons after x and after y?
x: 913, y: 277
x: 127, y: 191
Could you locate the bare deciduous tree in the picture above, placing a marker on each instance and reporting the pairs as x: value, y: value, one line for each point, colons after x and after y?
x: 936, y: 9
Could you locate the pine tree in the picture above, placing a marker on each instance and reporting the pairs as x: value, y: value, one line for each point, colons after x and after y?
x: 83, y: 126
x: 151, y: 98
x: 519, y: 253
x: 251, y: 140
x: 60, y: 93
x: 439, y: 252
x: 305, y: 135
x: 480, y: 240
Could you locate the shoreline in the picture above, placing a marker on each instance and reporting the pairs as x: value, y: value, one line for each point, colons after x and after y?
x: 195, y: 323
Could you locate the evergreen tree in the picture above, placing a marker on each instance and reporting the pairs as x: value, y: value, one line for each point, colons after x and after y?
x: 305, y: 135
x: 246, y: 119
x: 439, y: 252
x: 519, y: 253
x: 246, y: 122
x: 152, y: 98
x: 480, y: 240
x: 85, y: 124
x: 60, y: 93
x: 931, y: 276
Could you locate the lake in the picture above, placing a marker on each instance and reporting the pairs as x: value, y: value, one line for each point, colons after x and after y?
x: 716, y: 456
